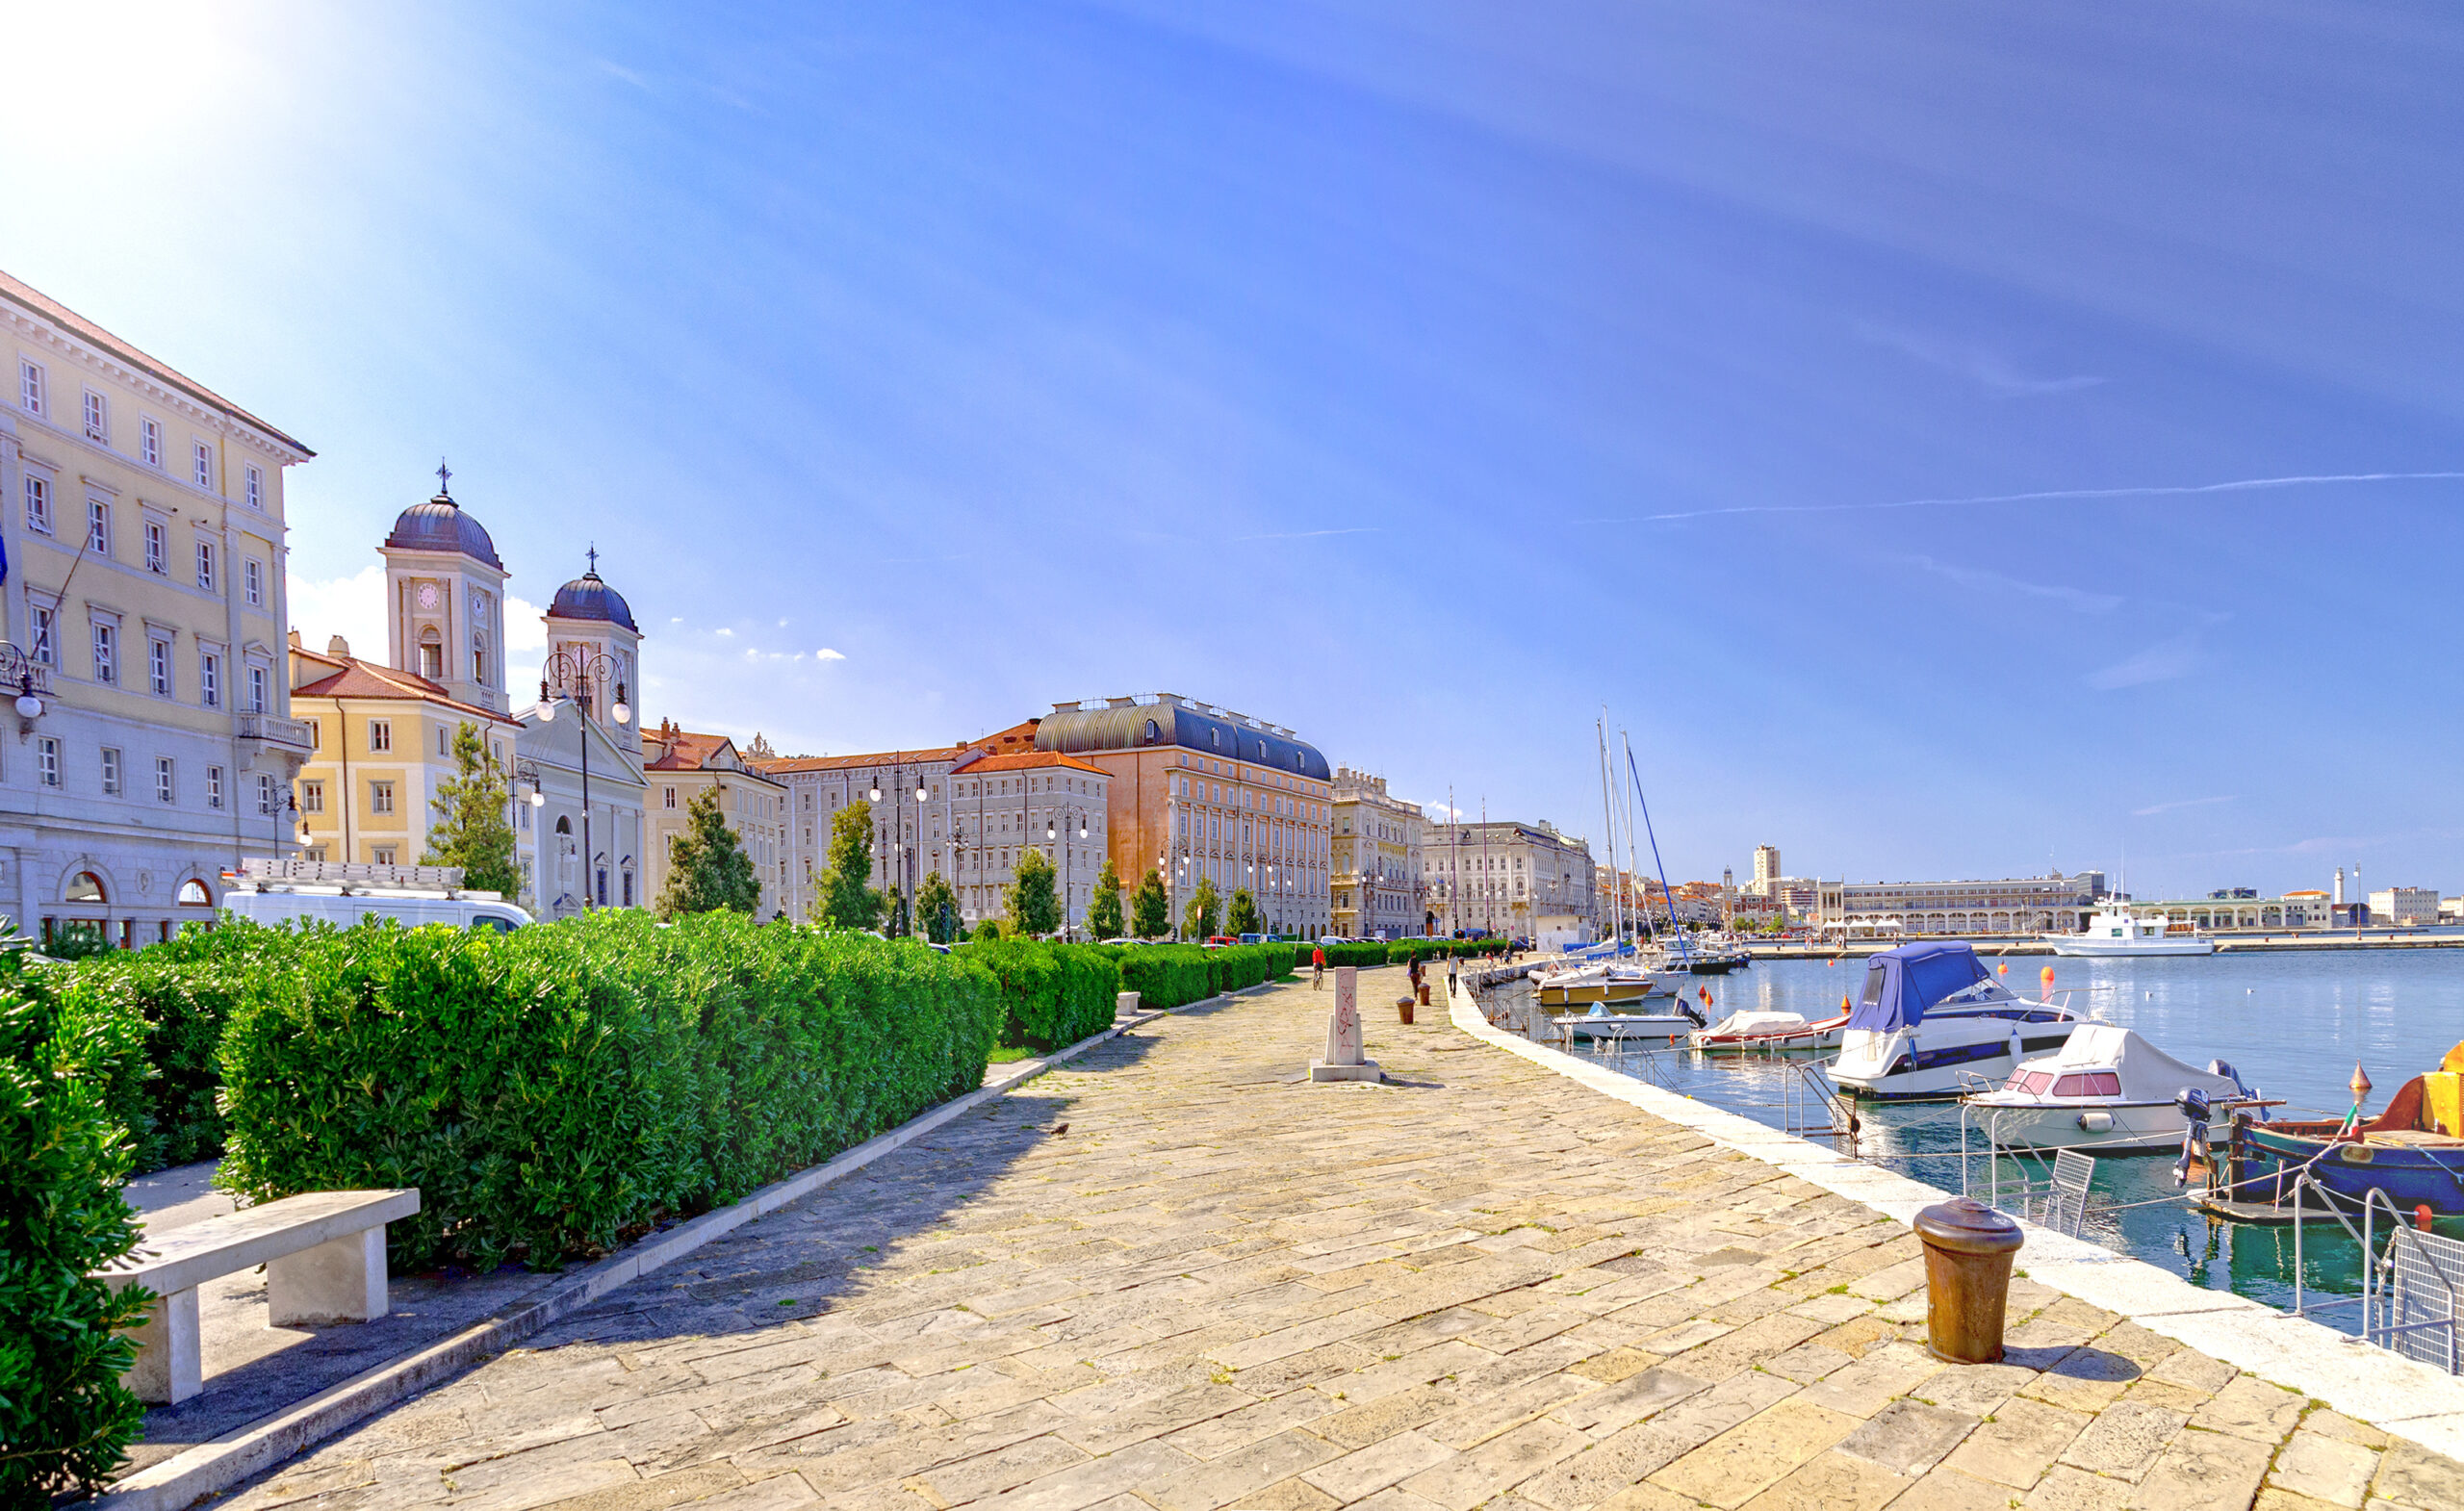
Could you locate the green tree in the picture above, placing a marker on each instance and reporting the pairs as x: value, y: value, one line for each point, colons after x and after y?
x: 845, y: 898
x: 1103, y: 915
x: 1150, y: 910
x: 707, y: 868
x: 1034, y: 904
x: 986, y: 932
x: 473, y: 828
x: 936, y: 908
x: 1204, y: 912
x: 1245, y: 917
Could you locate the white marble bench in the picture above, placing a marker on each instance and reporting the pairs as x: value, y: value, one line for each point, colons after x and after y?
x: 324, y: 1258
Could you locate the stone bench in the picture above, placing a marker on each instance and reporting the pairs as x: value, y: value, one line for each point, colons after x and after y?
x: 324, y: 1258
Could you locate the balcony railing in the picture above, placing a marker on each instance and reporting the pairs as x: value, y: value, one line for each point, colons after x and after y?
x: 275, y: 729
x: 21, y: 673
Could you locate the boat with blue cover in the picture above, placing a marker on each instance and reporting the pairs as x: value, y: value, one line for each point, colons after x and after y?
x: 1931, y: 1020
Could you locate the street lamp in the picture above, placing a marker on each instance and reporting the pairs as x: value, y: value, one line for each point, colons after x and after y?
x: 581, y: 675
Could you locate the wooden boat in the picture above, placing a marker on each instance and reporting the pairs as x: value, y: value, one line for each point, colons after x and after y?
x: 2413, y: 1151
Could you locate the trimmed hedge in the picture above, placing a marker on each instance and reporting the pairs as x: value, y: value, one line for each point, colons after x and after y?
x: 1176, y: 975
x: 178, y: 995
x: 557, y: 1091
x: 64, y: 1417
x: 1052, y: 995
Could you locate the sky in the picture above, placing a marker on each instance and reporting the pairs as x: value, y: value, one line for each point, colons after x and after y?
x: 1945, y: 440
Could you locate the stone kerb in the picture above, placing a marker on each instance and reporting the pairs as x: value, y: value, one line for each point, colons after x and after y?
x: 2357, y: 1379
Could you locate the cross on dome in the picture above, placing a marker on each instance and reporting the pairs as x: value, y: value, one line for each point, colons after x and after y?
x: 444, y: 478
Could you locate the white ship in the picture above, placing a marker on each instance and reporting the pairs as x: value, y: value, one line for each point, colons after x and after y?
x: 2118, y: 930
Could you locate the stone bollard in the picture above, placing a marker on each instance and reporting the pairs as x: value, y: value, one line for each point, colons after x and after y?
x: 1969, y: 1248
x: 1343, y: 1060
x: 1124, y: 1003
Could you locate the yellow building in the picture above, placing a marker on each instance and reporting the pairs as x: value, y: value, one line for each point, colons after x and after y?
x: 384, y: 740
x: 681, y: 765
x: 142, y: 522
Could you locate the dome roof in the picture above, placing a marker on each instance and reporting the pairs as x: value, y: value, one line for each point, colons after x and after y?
x: 440, y: 525
x: 587, y: 597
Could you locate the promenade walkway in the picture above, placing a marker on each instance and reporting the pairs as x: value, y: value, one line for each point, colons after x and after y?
x: 1169, y: 1276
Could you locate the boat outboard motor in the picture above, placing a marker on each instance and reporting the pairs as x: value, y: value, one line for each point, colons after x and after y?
x: 2240, y: 1088
x: 2192, y: 1160
x: 1687, y: 1009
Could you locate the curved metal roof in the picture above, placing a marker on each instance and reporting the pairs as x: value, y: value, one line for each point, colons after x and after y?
x: 1140, y: 724
x: 587, y: 597
x: 440, y: 525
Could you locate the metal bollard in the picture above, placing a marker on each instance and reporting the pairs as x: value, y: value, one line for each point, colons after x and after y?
x: 1404, y: 1007
x: 1969, y: 1248
x: 1423, y: 994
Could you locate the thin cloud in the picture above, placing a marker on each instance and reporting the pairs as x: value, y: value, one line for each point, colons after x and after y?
x: 1984, y: 581
x: 2042, y: 495
x: 1978, y: 365
x: 1358, y: 529
x: 2151, y: 810
x: 2161, y: 662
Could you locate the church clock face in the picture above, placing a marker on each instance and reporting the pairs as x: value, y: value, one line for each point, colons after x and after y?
x: 427, y: 595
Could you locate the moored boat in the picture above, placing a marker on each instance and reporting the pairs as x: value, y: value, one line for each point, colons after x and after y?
x: 2115, y: 933
x: 2106, y: 1088
x: 1601, y: 1023
x: 1932, y: 1015
x: 1758, y: 1029
x: 2413, y: 1152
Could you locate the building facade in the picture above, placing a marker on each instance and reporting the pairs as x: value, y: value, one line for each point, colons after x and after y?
x: 586, y: 844
x: 679, y: 767
x: 1506, y: 877
x: 1002, y: 806
x: 382, y: 741
x: 142, y: 517
x: 1202, y: 793
x: 1766, y: 869
x: 1375, y: 853
x: 2052, y: 904
x: 2405, y: 906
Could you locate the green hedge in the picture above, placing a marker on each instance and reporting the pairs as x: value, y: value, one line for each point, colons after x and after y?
x: 1052, y: 995
x: 64, y: 1417
x: 1176, y: 975
x: 557, y: 1091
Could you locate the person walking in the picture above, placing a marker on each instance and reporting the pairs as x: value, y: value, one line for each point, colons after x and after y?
x: 1318, y: 968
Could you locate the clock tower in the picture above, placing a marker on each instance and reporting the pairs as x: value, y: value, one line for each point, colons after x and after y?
x: 444, y: 590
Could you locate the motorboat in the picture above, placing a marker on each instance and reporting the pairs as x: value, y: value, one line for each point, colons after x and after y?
x: 2119, y: 932
x: 2106, y: 1088
x: 2413, y: 1152
x: 1932, y: 1014
x: 1601, y: 1023
x: 1761, y: 1029
x: 1580, y: 981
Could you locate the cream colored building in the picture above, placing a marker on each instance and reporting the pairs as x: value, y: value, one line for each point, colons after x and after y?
x: 1377, y: 873
x: 587, y: 844
x: 141, y: 515
x: 1509, y: 878
x: 384, y: 740
x: 680, y: 766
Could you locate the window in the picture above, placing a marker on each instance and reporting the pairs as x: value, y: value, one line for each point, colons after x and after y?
x: 202, y: 471
x: 192, y: 894
x: 316, y: 734
x: 110, y: 772
x: 256, y: 486
x: 30, y: 387
x: 84, y: 887
x: 162, y: 778
x: 256, y: 689
x: 382, y: 855
x: 205, y: 565
x: 45, y: 650
x: 98, y: 418
x: 254, y: 575
x: 106, y: 653
x: 311, y: 797
x: 98, y: 527
x: 478, y: 658
x: 209, y: 679
x: 444, y: 744
x: 265, y: 792
x: 158, y: 665
x: 380, y: 735
x: 47, y: 760
x: 671, y: 797
x: 432, y: 656
x: 38, y: 504
x: 158, y: 547
x: 214, y: 786
x: 380, y: 797
x: 149, y: 441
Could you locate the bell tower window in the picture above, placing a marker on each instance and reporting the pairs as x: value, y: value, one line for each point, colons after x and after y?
x: 432, y: 656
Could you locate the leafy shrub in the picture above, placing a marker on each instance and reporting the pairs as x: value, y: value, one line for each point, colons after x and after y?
x: 181, y: 993
x: 556, y: 1090
x: 1176, y: 975
x: 64, y: 1417
x: 1053, y: 994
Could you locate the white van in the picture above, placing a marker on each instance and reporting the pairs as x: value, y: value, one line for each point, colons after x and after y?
x: 301, y: 892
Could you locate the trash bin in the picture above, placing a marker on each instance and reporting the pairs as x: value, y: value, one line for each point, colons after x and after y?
x: 1968, y: 1249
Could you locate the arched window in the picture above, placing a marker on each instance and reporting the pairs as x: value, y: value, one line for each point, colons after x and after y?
x: 1154, y: 732
x: 478, y: 658
x: 84, y: 887
x: 564, y: 823
x: 192, y: 894
x: 432, y: 655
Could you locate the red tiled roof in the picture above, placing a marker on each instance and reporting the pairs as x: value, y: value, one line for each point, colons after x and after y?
x: 680, y: 750
x: 1017, y: 737
x: 27, y: 297
x: 358, y: 678
x: 1026, y: 761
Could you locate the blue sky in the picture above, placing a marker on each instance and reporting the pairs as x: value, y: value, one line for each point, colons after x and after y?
x: 1838, y: 394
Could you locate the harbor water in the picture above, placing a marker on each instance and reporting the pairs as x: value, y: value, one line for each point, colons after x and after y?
x: 2294, y: 1025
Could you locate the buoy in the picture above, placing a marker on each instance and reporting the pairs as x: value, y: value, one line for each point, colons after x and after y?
x: 2046, y: 974
x: 2360, y: 1084
x: 2003, y: 970
x: 2421, y: 1216
x: 1843, y: 1002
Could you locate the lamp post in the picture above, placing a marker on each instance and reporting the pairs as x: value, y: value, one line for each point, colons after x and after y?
x: 581, y: 677
x: 1066, y: 859
x: 526, y: 770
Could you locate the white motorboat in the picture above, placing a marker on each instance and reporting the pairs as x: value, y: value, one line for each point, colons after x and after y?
x: 1579, y: 982
x: 1932, y: 1014
x: 1758, y: 1029
x: 1601, y: 1023
x: 2119, y: 932
x: 2108, y: 1090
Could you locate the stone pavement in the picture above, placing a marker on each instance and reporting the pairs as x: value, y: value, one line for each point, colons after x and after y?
x: 1173, y: 1276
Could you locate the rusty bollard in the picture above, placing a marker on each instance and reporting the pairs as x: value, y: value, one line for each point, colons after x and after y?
x: 1404, y: 1007
x: 1968, y: 1247
x: 1423, y: 994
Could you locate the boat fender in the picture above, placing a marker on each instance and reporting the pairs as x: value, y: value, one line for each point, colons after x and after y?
x: 2096, y: 1121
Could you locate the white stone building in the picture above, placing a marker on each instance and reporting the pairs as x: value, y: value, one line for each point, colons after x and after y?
x: 1508, y: 878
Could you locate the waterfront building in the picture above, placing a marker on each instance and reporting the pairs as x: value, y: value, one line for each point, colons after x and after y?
x: 1201, y: 792
x: 2405, y: 906
x: 2053, y: 904
x: 1511, y: 878
x: 1003, y: 805
x: 142, y: 519
x: 1375, y: 857
x: 679, y: 766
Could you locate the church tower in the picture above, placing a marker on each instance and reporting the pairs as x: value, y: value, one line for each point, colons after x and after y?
x: 444, y: 590
x: 591, y: 625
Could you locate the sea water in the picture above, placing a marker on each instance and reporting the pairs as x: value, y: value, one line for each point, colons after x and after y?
x: 2293, y: 1024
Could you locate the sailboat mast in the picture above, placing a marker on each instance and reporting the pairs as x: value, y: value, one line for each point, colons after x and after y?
x: 1608, y: 834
